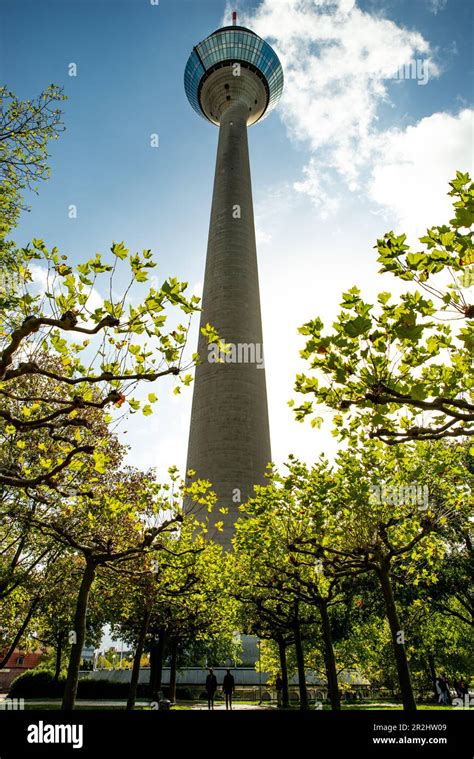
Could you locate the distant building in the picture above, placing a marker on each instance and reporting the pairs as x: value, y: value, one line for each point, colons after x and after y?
x: 88, y: 657
x: 20, y: 661
x: 249, y: 683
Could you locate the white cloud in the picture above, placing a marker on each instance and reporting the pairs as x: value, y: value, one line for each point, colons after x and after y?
x: 410, y: 177
x: 315, y: 184
x: 338, y: 61
x: 435, y: 6
x: 42, y: 283
x: 39, y: 278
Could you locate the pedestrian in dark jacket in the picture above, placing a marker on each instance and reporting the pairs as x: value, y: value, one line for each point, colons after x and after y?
x: 228, y: 686
x: 211, y: 687
x: 443, y: 685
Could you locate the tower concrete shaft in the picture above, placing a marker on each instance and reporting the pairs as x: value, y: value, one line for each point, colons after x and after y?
x: 229, y: 441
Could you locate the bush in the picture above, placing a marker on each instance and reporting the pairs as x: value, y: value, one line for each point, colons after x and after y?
x: 35, y: 684
x: 40, y: 684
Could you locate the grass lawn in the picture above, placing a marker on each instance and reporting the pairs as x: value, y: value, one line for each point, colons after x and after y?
x: 388, y: 707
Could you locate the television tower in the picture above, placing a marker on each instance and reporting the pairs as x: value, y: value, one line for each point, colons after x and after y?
x: 233, y: 79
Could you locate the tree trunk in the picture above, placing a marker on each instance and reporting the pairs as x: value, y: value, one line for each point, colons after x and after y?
x: 285, y: 696
x: 59, y: 652
x: 403, y: 670
x: 80, y: 617
x: 156, y: 664
x: 301, y: 673
x: 152, y: 678
x: 329, y: 658
x: 20, y: 632
x: 173, y: 668
x: 432, y: 668
x: 132, y: 693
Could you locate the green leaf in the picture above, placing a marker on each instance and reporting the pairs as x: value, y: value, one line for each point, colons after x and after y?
x: 119, y: 250
x: 357, y: 326
x: 414, y: 260
x: 99, y: 462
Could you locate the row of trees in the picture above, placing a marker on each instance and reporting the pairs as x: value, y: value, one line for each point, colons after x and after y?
x: 335, y: 573
x: 327, y: 552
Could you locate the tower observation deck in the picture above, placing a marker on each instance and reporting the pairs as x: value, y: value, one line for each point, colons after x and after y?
x: 233, y: 79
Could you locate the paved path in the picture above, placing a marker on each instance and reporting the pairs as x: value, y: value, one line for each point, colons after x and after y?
x: 237, y: 707
x: 121, y: 704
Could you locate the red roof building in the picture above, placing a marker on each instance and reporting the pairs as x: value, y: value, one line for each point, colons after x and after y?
x: 19, y: 662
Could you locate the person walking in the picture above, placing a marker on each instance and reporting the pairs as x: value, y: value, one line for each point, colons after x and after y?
x: 443, y: 684
x: 211, y: 687
x: 439, y: 692
x: 228, y: 686
x: 279, y: 690
x: 447, y: 693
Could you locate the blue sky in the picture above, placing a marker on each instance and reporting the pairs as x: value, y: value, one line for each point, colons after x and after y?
x: 349, y: 153
x: 130, y: 60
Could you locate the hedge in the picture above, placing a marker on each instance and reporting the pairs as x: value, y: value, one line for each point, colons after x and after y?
x: 41, y: 685
x: 36, y: 684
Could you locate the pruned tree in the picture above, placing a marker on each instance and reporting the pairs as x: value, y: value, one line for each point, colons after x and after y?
x: 51, y: 375
x: 401, y: 369
x: 373, y: 524
x: 266, y: 583
x: 126, y: 514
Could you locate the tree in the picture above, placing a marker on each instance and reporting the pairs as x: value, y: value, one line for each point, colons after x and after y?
x: 24, y: 600
x: 49, y: 384
x: 127, y: 515
x: 373, y: 524
x: 266, y: 581
x: 184, y: 599
x: 402, y: 370
x: 453, y: 593
x: 153, y: 585
x: 53, y: 622
x: 441, y: 644
x: 271, y: 622
x: 26, y: 127
x: 282, y: 513
x: 16, y: 616
x: 21, y: 550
